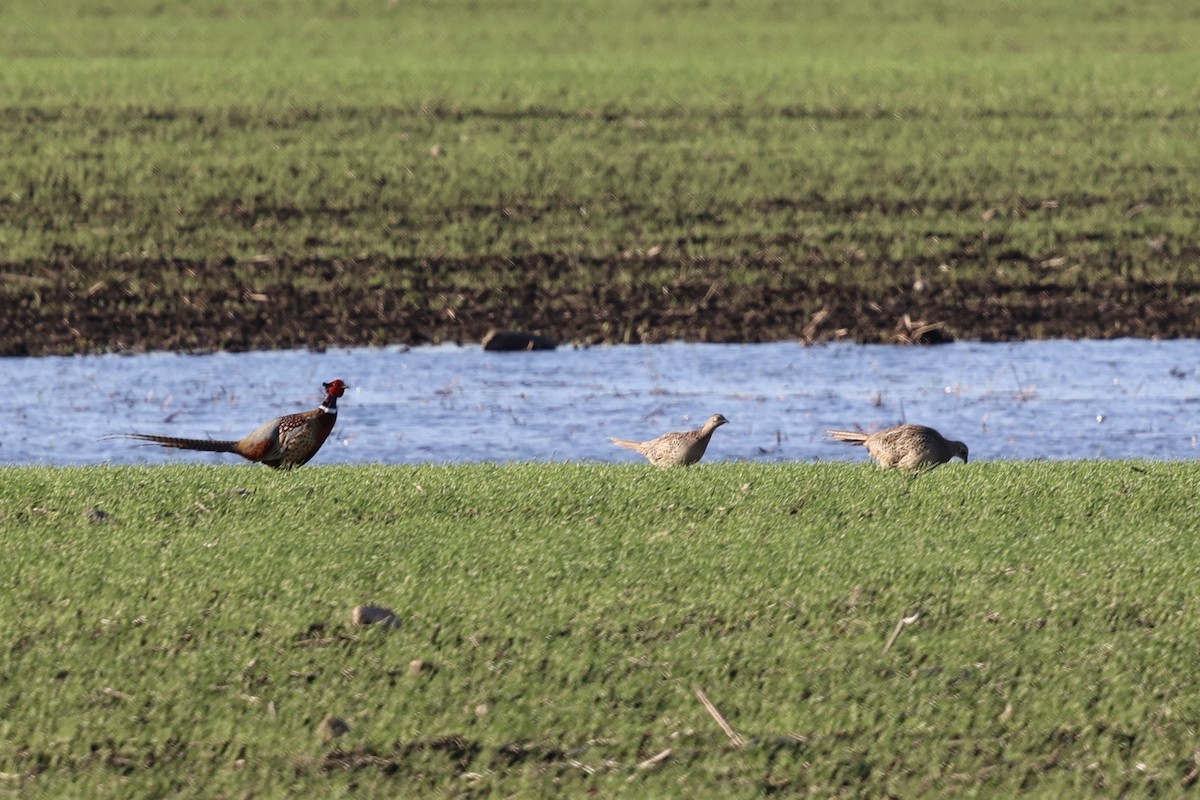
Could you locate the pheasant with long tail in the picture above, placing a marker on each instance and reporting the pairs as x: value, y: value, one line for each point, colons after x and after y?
x: 282, y: 443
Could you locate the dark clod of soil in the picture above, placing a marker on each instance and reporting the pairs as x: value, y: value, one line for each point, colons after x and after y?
x: 96, y: 515
x: 374, y: 615
x: 516, y: 341
x: 333, y: 727
x: 419, y: 666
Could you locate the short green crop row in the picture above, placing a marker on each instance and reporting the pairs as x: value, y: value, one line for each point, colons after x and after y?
x: 185, y: 630
x: 845, y: 142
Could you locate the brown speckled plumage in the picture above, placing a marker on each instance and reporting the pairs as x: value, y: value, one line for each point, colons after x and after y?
x: 912, y: 447
x: 678, y: 448
x: 283, y: 443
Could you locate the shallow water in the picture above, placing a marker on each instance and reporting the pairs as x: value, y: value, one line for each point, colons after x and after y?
x: 1051, y: 400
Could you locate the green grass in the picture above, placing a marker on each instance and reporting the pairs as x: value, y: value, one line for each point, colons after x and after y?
x: 849, y: 142
x: 190, y: 643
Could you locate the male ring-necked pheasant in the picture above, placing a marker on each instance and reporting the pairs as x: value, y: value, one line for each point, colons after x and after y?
x: 678, y: 448
x: 283, y: 443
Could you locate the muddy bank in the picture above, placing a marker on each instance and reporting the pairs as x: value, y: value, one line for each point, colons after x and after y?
x: 47, y: 310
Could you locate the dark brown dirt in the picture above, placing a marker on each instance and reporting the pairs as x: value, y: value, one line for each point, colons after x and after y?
x: 48, y: 309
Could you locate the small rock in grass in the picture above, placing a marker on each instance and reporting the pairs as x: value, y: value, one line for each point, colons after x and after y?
x: 96, y: 515
x: 482, y: 709
x: 419, y: 666
x: 375, y: 615
x: 333, y: 727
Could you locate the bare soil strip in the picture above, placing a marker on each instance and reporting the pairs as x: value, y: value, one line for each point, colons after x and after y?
x: 56, y: 313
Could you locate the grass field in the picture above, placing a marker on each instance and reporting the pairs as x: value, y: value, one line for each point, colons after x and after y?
x: 614, y: 170
x: 191, y: 641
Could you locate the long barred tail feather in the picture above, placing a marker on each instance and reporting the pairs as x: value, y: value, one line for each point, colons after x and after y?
x: 210, y: 445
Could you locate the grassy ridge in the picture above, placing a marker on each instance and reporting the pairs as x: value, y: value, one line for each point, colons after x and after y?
x: 831, y: 152
x: 192, y: 641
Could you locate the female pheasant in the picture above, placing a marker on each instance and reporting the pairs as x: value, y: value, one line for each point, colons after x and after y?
x: 283, y: 443
x: 678, y: 448
x: 909, y: 447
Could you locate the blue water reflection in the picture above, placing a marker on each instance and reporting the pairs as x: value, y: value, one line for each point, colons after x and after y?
x: 1052, y: 399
